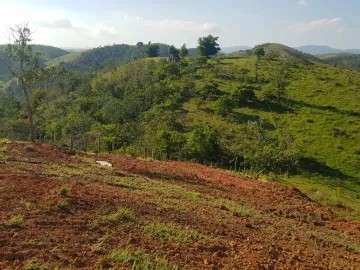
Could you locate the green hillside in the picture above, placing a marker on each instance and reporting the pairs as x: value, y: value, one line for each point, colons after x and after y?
x: 348, y: 61
x: 98, y: 59
x: 331, y: 55
x: 47, y: 53
x: 298, y: 118
x: 64, y: 58
x: 285, y: 51
x: 275, y: 48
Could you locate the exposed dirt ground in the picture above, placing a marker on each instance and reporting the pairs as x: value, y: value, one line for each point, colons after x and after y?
x: 239, y: 223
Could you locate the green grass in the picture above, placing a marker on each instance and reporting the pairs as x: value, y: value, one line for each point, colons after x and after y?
x: 65, y: 58
x: 5, y: 140
x: 62, y: 204
x: 172, y: 233
x: 330, y: 239
x: 123, y: 214
x: 237, y: 209
x: 16, y: 221
x: 139, y: 260
x: 34, y: 265
x: 64, y: 191
x: 322, y: 114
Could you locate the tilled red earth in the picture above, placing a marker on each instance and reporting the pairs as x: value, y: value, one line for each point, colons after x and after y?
x: 284, y: 230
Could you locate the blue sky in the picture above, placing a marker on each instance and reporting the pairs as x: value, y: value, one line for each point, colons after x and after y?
x: 92, y: 23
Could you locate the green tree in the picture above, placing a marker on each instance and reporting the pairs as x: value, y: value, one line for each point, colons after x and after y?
x: 259, y: 53
x: 272, y: 55
x: 174, y: 53
x: 110, y: 134
x: 203, y: 145
x: 208, y: 46
x: 184, y: 51
x: 152, y: 49
x: 23, y: 63
x: 242, y: 95
x: 223, y: 106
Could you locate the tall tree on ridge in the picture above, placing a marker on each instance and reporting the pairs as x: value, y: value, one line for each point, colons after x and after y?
x: 174, y: 53
x: 184, y: 51
x: 152, y: 49
x: 23, y: 63
x: 208, y: 46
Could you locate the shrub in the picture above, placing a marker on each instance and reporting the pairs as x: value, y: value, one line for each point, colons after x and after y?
x: 64, y: 191
x: 243, y: 95
x: 223, y: 106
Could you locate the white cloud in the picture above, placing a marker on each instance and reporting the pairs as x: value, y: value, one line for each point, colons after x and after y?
x: 102, y: 30
x: 63, y: 23
x: 185, y: 25
x: 302, y: 3
x: 306, y: 27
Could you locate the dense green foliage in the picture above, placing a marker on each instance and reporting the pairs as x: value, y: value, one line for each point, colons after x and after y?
x: 350, y: 61
x: 108, y: 57
x: 208, y: 46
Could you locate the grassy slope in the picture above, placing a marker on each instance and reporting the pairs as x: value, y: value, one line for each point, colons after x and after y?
x: 48, y: 52
x: 349, y: 61
x: 331, y: 55
x: 286, y: 51
x: 324, y: 116
x: 65, y: 58
x: 120, y: 54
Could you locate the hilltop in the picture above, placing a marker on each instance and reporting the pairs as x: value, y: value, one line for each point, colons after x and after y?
x: 65, y: 211
x: 286, y: 51
x: 100, y: 58
x: 48, y: 53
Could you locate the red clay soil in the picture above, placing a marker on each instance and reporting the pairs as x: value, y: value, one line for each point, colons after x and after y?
x: 286, y: 231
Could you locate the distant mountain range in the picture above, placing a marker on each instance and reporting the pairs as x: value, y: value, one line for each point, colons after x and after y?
x: 316, y: 49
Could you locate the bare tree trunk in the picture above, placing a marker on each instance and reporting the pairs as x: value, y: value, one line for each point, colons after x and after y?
x: 29, y: 112
x: 99, y: 146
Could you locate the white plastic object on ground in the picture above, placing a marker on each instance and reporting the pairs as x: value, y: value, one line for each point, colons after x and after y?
x: 104, y: 163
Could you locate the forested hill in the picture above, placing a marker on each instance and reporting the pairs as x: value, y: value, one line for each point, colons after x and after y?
x: 47, y: 53
x: 349, y: 61
x: 276, y: 50
x: 285, y: 51
x: 302, y: 119
x: 101, y: 58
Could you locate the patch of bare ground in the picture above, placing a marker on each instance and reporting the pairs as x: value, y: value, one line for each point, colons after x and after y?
x: 65, y: 211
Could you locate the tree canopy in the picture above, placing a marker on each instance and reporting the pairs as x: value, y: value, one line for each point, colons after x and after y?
x: 208, y: 46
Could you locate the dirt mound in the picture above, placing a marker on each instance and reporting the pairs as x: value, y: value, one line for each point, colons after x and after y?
x: 66, y: 211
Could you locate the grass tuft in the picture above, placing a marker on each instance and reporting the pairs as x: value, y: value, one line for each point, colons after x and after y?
x: 140, y: 260
x: 172, y: 233
x: 62, y: 204
x: 123, y: 214
x: 34, y: 265
x: 16, y: 221
x: 64, y: 191
x: 5, y: 141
